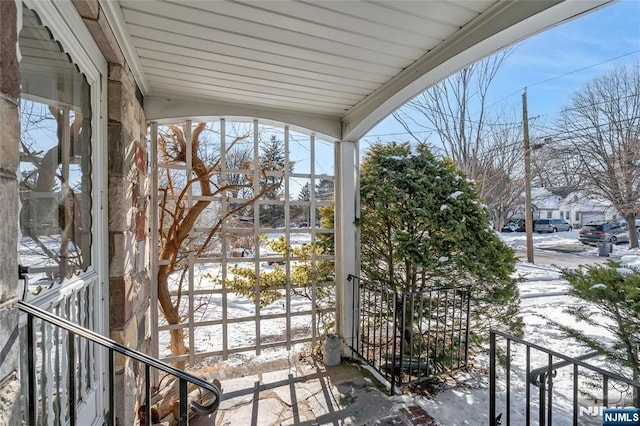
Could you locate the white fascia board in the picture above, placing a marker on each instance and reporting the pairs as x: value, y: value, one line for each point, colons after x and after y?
x: 116, y: 20
x: 163, y: 111
x: 504, y: 24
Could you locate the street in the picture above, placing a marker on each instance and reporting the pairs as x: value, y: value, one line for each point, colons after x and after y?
x: 560, y: 258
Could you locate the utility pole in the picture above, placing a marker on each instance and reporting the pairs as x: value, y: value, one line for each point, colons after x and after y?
x: 528, y: 215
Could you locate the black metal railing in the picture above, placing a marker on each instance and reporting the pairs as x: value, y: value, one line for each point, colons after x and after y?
x: 578, y: 396
x: 77, y: 332
x: 409, y: 337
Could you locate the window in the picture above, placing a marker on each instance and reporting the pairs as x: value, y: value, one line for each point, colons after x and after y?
x: 549, y: 214
x: 55, y: 161
x: 577, y: 216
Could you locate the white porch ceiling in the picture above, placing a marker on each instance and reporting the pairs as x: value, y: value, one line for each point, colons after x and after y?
x: 333, y: 67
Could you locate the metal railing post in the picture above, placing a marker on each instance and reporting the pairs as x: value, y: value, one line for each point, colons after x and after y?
x: 111, y: 421
x: 71, y: 343
x: 183, y: 420
x: 550, y: 392
x: 394, y: 345
x: 541, y: 401
x: 403, y: 318
x: 575, y: 394
x: 466, y: 350
x: 492, y: 378
x: 527, y: 391
x: 31, y: 373
x: 147, y: 394
x: 508, y: 379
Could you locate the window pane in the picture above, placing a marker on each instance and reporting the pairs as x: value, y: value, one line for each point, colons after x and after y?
x: 55, y: 161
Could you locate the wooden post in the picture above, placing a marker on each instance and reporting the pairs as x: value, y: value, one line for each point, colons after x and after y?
x: 528, y: 216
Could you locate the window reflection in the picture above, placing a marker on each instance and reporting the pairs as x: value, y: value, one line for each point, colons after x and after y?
x: 55, y: 166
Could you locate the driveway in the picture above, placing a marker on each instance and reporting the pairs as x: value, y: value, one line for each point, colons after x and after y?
x: 564, y: 259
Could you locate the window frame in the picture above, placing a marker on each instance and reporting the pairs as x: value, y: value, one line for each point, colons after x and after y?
x: 68, y: 28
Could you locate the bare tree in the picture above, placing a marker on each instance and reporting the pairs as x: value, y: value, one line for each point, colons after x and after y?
x: 178, y: 218
x: 499, y: 174
x: 455, y: 111
x: 601, y: 126
x: 54, y: 209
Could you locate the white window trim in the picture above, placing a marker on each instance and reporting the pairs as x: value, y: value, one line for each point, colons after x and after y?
x: 67, y: 27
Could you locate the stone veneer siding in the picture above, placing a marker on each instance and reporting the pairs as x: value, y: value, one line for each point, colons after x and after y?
x: 128, y: 195
x: 9, y: 131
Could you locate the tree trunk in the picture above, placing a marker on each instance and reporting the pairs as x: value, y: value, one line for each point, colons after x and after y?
x: 171, y: 314
x: 633, y: 231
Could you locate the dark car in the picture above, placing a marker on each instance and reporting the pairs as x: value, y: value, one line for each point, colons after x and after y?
x: 551, y: 225
x: 517, y: 225
x: 596, y: 232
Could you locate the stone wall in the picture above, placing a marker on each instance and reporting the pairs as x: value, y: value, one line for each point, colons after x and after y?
x: 128, y: 180
x: 9, y: 128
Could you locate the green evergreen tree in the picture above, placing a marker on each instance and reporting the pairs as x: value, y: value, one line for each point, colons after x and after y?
x: 272, y: 161
x: 613, y: 293
x: 305, y: 193
x: 423, y: 226
x: 324, y: 190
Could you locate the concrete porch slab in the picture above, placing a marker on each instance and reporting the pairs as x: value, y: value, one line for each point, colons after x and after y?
x: 301, y: 391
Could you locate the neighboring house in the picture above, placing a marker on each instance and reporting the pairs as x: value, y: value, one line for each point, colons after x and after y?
x: 576, y: 208
x: 546, y: 205
x: 580, y: 209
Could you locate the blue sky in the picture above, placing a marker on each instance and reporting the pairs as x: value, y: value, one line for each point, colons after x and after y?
x: 555, y: 63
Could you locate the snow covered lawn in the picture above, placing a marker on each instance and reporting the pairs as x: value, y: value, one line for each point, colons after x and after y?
x: 466, y: 401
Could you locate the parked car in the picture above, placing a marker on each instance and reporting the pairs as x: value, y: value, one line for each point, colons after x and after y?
x: 595, y: 232
x: 551, y: 225
x: 514, y: 226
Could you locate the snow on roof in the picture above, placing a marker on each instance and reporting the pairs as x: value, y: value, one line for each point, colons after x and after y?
x: 584, y: 202
x: 544, y: 199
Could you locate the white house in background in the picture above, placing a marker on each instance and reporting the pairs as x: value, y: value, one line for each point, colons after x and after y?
x: 580, y: 209
x: 576, y: 208
x: 546, y: 205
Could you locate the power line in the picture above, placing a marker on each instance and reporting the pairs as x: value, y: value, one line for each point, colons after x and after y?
x: 567, y: 134
x: 566, y: 74
x: 500, y: 124
x: 584, y: 68
x: 530, y: 85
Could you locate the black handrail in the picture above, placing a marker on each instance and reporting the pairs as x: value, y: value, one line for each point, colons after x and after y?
x: 538, y: 376
x: 543, y: 379
x: 555, y: 354
x: 113, y: 346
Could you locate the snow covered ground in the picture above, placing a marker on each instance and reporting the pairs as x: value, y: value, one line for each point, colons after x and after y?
x: 543, y: 296
x: 466, y: 402
x: 546, y: 241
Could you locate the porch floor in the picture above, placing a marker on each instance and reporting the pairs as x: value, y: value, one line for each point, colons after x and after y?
x: 302, y: 391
